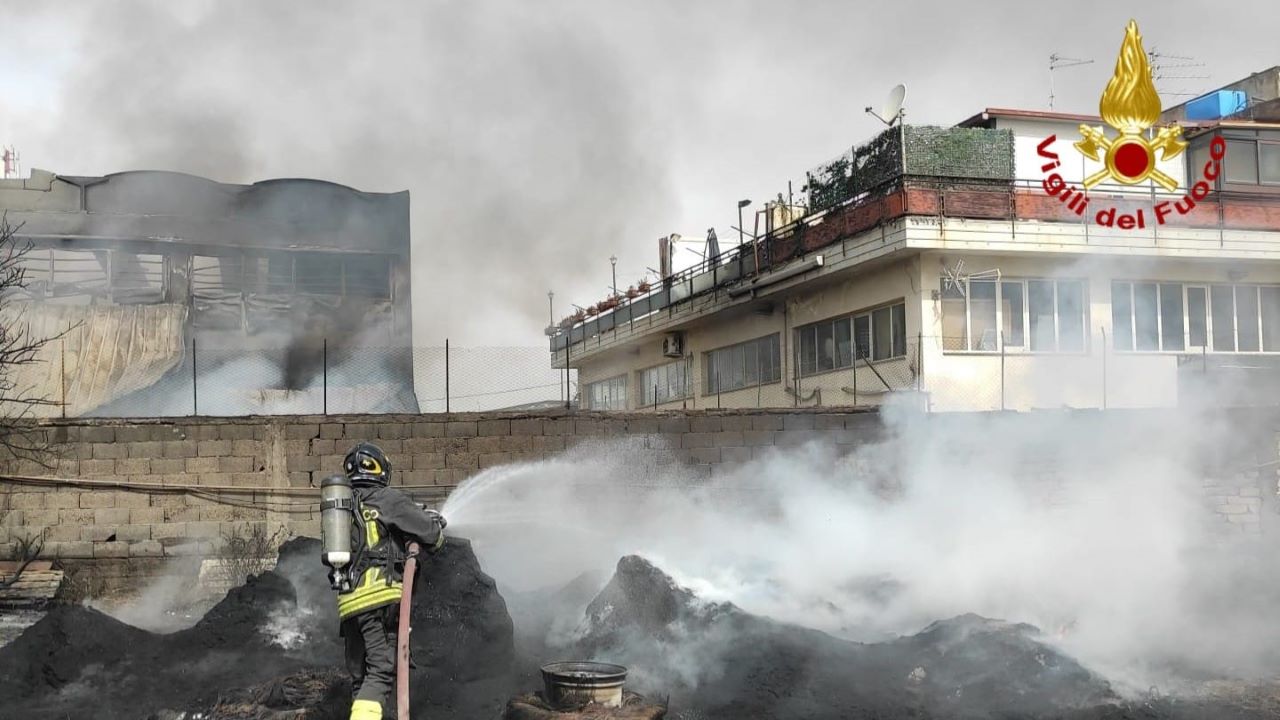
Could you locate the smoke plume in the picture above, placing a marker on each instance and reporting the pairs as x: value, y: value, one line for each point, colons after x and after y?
x: 1093, y: 529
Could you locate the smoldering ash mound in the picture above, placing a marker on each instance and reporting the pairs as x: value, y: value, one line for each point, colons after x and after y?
x: 270, y: 646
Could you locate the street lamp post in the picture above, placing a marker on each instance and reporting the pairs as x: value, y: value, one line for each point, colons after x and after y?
x: 613, y: 260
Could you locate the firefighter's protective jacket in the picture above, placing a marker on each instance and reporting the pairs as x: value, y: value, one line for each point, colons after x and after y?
x: 390, y: 521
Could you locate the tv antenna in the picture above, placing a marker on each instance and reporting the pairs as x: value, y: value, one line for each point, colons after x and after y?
x: 891, y: 112
x: 954, y: 277
x: 1057, y: 61
x: 1161, y: 67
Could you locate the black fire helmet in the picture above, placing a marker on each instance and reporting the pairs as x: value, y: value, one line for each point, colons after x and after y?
x: 366, y: 464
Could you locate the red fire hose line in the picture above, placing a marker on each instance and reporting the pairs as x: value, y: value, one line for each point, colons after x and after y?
x: 402, y: 642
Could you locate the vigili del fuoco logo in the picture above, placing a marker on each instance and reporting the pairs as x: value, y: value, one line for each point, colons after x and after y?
x: 1130, y: 105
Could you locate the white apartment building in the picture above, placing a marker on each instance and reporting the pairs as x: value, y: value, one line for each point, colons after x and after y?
x: 935, y: 262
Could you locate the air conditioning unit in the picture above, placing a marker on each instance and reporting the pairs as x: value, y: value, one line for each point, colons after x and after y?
x: 673, y: 345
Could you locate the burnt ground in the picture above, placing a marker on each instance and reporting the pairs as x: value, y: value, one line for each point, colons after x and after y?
x: 269, y: 640
x: 270, y: 651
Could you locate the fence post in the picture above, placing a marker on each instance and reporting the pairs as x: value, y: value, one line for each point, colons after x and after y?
x: 324, y: 375
x: 1002, y: 370
x: 568, y: 389
x: 919, y: 358
x: 717, y: 389
x: 1104, y: 368
x: 195, y: 393
x: 446, y: 375
x: 63, y: 377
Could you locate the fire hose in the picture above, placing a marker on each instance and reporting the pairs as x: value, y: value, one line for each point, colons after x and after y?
x: 402, y: 639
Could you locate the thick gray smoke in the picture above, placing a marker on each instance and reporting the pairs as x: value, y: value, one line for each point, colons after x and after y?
x: 1095, y: 530
x: 537, y: 139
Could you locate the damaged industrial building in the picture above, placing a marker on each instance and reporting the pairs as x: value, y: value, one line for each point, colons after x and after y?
x: 170, y: 294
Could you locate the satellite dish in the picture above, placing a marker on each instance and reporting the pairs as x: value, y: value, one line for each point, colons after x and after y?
x: 891, y: 111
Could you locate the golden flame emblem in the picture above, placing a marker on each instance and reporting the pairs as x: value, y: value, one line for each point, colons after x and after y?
x: 1131, y: 105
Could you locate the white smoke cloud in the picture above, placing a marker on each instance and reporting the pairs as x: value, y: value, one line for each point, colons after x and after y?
x: 1093, y: 529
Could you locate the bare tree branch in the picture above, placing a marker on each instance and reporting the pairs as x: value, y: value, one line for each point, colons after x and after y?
x: 28, y: 550
x: 20, y: 438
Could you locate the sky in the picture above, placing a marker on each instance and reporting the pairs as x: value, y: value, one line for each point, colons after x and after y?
x: 537, y: 139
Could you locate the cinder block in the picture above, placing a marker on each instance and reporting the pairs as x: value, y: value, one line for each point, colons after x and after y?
x: 767, y: 422
x: 93, y: 499
x: 146, y: 516
x: 704, y: 424
x: 232, y: 464
x: 303, y: 463
x: 461, y: 429
x: 180, y: 448
x: 132, y: 434
x: 133, y: 533
x: 729, y: 439
x: 704, y: 455
x: 321, y: 446
x: 547, y: 444
x: 488, y: 460
x: 527, y: 426
x: 214, y: 479
x: 462, y: 461
x: 300, y: 479
x: 198, y: 465
x: 798, y: 421
x: 642, y: 426
x: 75, y: 517
x: 428, y: 430
x: 133, y: 466
x: 111, y: 550
x: 828, y: 422
x: 673, y: 425
x: 39, y: 517
x: 175, y: 516
x: 302, y: 431
x: 330, y: 431
x: 108, y: 451
x: 127, y: 499
x: 394, y: 431
x: 428, y: 461
x: 482, y: 445
x: 359, y: 432
x: 146, y: 548
x: 246, y: 448
x: 487, y: 428
x: 203, y: 529
x: 208, y: 431
x: 99, y: 533
x: 559, y: 426
x: 736, y: 423
x: 168, y: 466
x: 515, y: 443
x: 68, y: 550
x: 232, y: 432
x: 97, y: 434
x: 697, y: 440
x: 167, y: 433
x: 27, y: 500
x: 111, y: 516
x: 213, y: 448
x: 14, y: 518
x: 97, y: 467
x: 55, y: 533
x: 62, y: 500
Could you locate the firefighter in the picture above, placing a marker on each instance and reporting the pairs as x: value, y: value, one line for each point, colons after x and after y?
x: 385, y: 520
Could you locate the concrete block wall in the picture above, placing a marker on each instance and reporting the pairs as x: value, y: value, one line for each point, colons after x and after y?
x: 240, y: 476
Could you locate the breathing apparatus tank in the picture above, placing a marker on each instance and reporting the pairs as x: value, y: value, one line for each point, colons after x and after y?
x: 337, y: 508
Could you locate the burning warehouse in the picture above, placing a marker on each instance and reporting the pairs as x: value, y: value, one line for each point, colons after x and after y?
x: 174, y: 294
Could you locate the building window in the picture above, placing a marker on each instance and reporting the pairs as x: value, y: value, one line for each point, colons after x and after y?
x: 1037, y: 315
x: 836, y: 344
x: 1177, y: 317
x: 608, y: 394
x: 664, y: 383
x: 755, y: 362
x: 1248, y: 161
x: 367, y: 276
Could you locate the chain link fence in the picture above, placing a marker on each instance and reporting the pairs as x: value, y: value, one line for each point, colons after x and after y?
x: 317, y: 377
